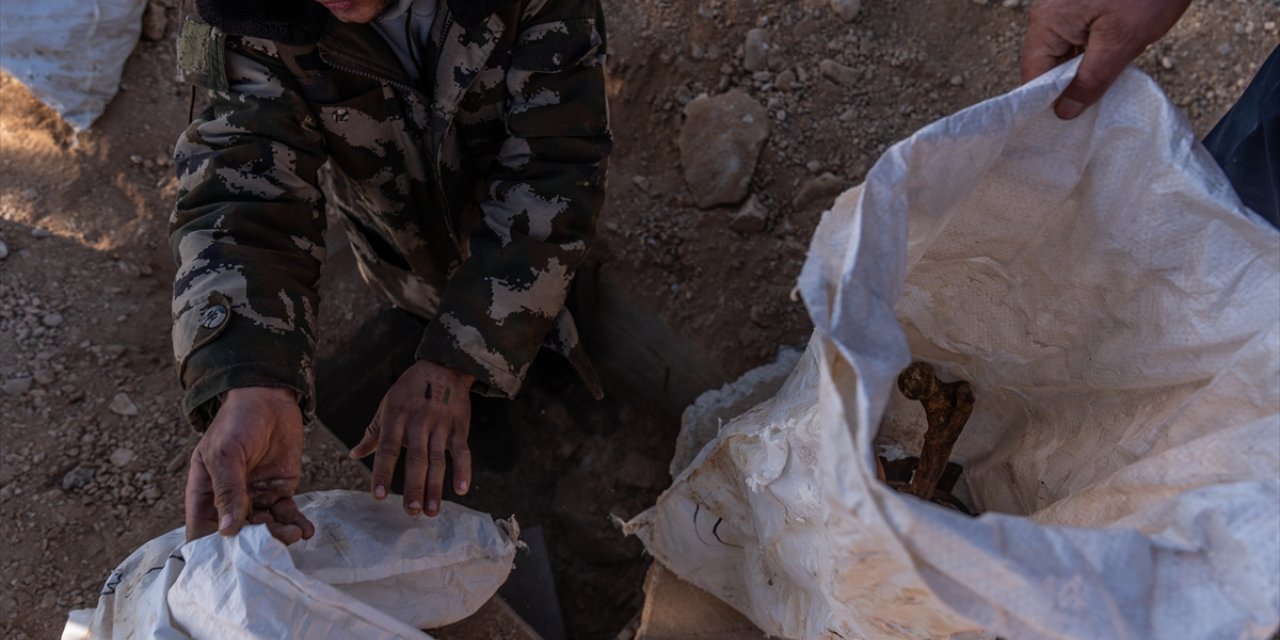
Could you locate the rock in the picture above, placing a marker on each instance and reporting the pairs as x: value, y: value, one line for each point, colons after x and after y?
x: 44, y: 377
x: 122, y: 405
x: 755, y: 53
x: 838, y: 73
x: 813, y: 166
x: 846, y: 9
x: 720, y: 144
x: 751, y: 218
x: 4, y: 250
x: 122, y: 457
x: 786, y: 80
x: 75, y: 479
x: 819, y: 191
x: 40, y: 233
x: 642, y: 183
x: 177, y: 462
x: 154, y: 21
x: 957, y: 80
x: 51, y: 320
x: 17, y: 386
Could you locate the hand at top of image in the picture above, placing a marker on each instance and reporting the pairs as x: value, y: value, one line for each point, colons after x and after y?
x: 1110, y: 34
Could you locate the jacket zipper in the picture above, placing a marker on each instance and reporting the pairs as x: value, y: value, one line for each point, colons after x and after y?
x: 435, y: 165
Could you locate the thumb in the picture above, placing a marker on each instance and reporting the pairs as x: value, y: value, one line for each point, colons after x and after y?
x: 230, y: 494
x: 1104, y: 60
x: 369, y: 443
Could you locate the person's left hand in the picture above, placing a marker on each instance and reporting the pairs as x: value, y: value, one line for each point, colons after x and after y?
x: 426, y: 412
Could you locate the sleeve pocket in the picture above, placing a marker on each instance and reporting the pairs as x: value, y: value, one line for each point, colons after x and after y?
x: 199, y: 328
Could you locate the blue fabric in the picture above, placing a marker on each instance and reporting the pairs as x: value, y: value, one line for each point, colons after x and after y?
x: 1246, y: 142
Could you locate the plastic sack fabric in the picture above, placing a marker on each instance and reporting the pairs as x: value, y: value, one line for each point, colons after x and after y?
x: 1117, y: 312
x: 70, y: 53
x: 370, y: 571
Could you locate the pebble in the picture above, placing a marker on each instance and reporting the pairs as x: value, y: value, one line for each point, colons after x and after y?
x: 1166, y: 62
x: 51, y: 320
x: 121, y: 457
x: 17, y: 386
x: 813, y: 166
x: 755, y: 53
x: 4, y: 250
x: 838, y: 73
x: 846, y: 9
x: 178, y: 462
x: 76, y: 478
x: 957, y: 80
x: 135, y: 158
x: 751, y: 218
x: 122, y: 405
x: 819, y: 191
x: 40, y: 233
x: 44, y: 377
x: 786, y: 80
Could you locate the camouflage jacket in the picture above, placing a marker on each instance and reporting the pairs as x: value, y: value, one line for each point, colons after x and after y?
x: 470, y: 197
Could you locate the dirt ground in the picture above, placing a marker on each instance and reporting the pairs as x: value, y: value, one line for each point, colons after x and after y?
x: 94, y: 446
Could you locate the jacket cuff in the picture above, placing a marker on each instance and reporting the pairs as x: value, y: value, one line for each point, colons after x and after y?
x: 449, y: 343
x: 204, y: 395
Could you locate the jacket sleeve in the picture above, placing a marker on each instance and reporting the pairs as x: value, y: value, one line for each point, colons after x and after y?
x: 541, y: 203
x: 247, y: 229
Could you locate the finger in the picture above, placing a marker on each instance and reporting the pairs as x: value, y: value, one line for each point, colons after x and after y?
x: 286, y: 512
x: 227, y: 470
x: 368, y: 443
x: 387, y: 453
x: 201, y: 516
x: 286, y: 533
x: 261, y: 517
x: 1044, y: 47
x: 1104, y: 60
x: 415, y: 467
x: 435, y: 470
x: 459, y: 451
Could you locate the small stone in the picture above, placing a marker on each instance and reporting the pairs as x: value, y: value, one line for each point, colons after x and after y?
x: 17, y: 386
x: 4, y: 250
x: 846, y: 9
x: 813, y: 166
x: 1269, y: 25
x: 40, y: 233
x: 75, y: 479
x: 1166, y: 62
x: 957, y: 80
x: 820, y: 191
x: 135, y: 158
x: 838, y: 73
x: 177, y: 462
x: 122, y: 405
x: 751, y: 218
x: 786, y: 80
x: 642, y: 183
x: 122, y: 457
x: 720, y: 144
x: 755, y: 53
x: 51, y: 320
x: 44, y: 377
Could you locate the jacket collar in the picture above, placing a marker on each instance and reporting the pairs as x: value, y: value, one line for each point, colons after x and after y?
x: 306, y: 21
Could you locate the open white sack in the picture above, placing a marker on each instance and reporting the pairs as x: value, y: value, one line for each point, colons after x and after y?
x: 70, y: 53
x: 369, y: 572
x: 1117, y: 312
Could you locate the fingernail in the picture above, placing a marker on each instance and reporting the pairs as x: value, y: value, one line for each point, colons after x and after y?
x: 1068, y: 108
x: 432, y: 506
x: 415, y: 507
x: 379, y: 492
x: 462, y: 487
x: 225, y: 522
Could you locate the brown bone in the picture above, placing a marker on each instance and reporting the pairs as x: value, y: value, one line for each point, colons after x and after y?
x: 947, y: 406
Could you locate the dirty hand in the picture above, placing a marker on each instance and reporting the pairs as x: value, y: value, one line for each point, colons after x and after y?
x: 427, y: 412
x: 1112, y: 34
x: 245, y: 468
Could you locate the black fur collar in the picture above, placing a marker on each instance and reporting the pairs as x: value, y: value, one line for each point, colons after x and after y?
x: 304, y: 21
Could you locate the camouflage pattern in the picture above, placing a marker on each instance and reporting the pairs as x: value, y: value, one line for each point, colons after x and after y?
x: 469, y: 199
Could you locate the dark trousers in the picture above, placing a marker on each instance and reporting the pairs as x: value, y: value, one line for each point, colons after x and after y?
x: 1246, y: 143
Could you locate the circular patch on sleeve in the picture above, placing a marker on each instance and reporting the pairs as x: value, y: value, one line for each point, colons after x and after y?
x: 214, y: 317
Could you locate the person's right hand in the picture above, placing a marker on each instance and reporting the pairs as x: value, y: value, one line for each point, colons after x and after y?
x: 1112, y: 33
x: 245, y: 468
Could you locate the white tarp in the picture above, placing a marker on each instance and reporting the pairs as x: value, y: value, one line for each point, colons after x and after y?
x: 1117, y: 312
x: 70, y: 53
x: 369, y: 572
